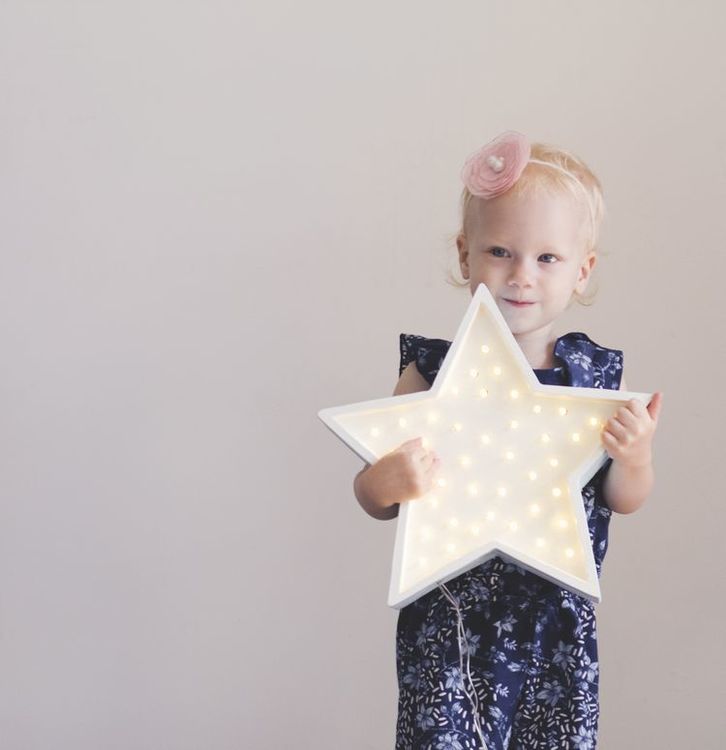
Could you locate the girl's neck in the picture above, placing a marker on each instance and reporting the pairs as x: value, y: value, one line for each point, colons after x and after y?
x: 538, y: 349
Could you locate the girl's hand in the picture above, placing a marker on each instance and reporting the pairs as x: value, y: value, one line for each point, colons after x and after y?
x: 405, y: 473
x: 628, y: 434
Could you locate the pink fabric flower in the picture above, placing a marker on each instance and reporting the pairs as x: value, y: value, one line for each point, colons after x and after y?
x: 495, y: 167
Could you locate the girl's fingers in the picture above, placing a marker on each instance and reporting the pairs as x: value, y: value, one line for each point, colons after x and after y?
x: 626, y: 417
x: 415, y: 448
x: 425, y: 459
x: 423, y: 455
x: 617, y: 429
x: 609, y: 441
x: 432, y: 468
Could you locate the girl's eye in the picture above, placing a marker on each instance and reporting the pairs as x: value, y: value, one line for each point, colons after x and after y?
x: 549, y: 255
x: 498, y: 252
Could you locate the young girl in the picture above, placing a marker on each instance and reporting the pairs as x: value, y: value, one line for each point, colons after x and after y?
x: 530, y: 221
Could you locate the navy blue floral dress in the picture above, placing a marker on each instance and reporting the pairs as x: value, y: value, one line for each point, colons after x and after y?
x: 532, y: 645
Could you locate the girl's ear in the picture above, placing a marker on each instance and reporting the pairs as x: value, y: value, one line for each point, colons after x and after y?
x: 586, y: 267
x: 463, y: 255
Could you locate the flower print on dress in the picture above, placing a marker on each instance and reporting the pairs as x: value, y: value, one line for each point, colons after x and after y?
x: 471, y: 643
x: 501, y: 690
x: 588, y: 669
x: 562, y: 656
x: 426, y: 631
x: 581, y: 359
x: 452, y: 710
x: 413, y: 676
x: 425, y: 718
x: 506, y: 623
x: 552, y: 692
x: 613, y: 363
x: 449, y: 741
x: 481, y: 594
x: 582, y: 739
x: 454, y: 679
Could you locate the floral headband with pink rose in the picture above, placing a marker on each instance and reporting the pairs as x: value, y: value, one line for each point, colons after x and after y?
x: 495, y: 167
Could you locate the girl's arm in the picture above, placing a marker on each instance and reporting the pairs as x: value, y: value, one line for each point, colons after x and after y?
x: 402, y: 474
x: 628, y: 437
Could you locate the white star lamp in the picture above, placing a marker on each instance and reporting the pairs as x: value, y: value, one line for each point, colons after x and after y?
x: 515, y: 455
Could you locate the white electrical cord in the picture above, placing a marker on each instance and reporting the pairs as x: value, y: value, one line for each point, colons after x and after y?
x: 461, y: 637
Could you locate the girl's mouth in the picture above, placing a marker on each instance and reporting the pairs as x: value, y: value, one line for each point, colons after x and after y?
x: 518, y: 304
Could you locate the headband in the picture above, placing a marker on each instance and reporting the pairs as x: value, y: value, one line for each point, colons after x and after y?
x: 496, y: 166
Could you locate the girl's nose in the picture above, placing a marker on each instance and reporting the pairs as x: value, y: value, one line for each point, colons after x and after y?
x: 520, y: 275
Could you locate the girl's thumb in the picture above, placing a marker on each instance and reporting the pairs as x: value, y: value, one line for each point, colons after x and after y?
x: 655, y: 405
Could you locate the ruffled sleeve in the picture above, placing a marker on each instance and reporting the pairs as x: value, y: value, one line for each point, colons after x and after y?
x: 428, y: 354
x: 593, y: 366
x: 589, y: 365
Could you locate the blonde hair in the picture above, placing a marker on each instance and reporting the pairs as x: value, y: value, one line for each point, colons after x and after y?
x: 537, y: 177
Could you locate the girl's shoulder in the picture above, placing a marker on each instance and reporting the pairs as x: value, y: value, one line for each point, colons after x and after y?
x: 428, y: 354
x: 590, y: 364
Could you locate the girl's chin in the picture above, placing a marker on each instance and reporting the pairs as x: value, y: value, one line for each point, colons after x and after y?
x: 517, y: 325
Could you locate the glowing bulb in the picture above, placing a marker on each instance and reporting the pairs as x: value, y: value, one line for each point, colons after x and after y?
x: 556, y: 491
x: 534, y: 509
x: 509, y: 455
x: 475, y: 530
x: 483, y: 393
x: 562, y: 523
x: 473, y: 489
x: 453, y: 522
x: 432, y: 417
x: 594, y: 421
x: 540, y: 542
x: 401, y: 422
x: 514, y: 393
x: 513, y: 525
x: 532, y: 475
x: 563, y: 411
x: 451, y: 548
x: 426, y: 534
x: 455, y: 390
x: 473, y: 372
x: 375, y: 432
x: 465, y: 461
x: 497, y: 370
x: 491, y: 515
x: 514, y: 424
x: 485, y: 349
x: 570, y: 552
x: 434, y: 501
x: 537, y: 409
x: 545, y: 437
x: 554, y: 462
x: 575, y: 437
x: 441, y: 482
x: 486, y: 439
x: 502, y: 491
x: 422, y: 561
x: 457, y: 426
x: 425, y: 442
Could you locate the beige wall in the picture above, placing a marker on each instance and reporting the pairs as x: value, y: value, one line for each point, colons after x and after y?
x: 216, y: 219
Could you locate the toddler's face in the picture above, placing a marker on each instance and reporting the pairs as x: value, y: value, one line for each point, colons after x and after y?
x: 526, y: 248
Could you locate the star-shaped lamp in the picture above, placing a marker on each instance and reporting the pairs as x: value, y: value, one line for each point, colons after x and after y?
x: 515, y: 455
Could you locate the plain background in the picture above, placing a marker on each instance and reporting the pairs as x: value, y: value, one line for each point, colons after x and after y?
x: 216, y: 219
